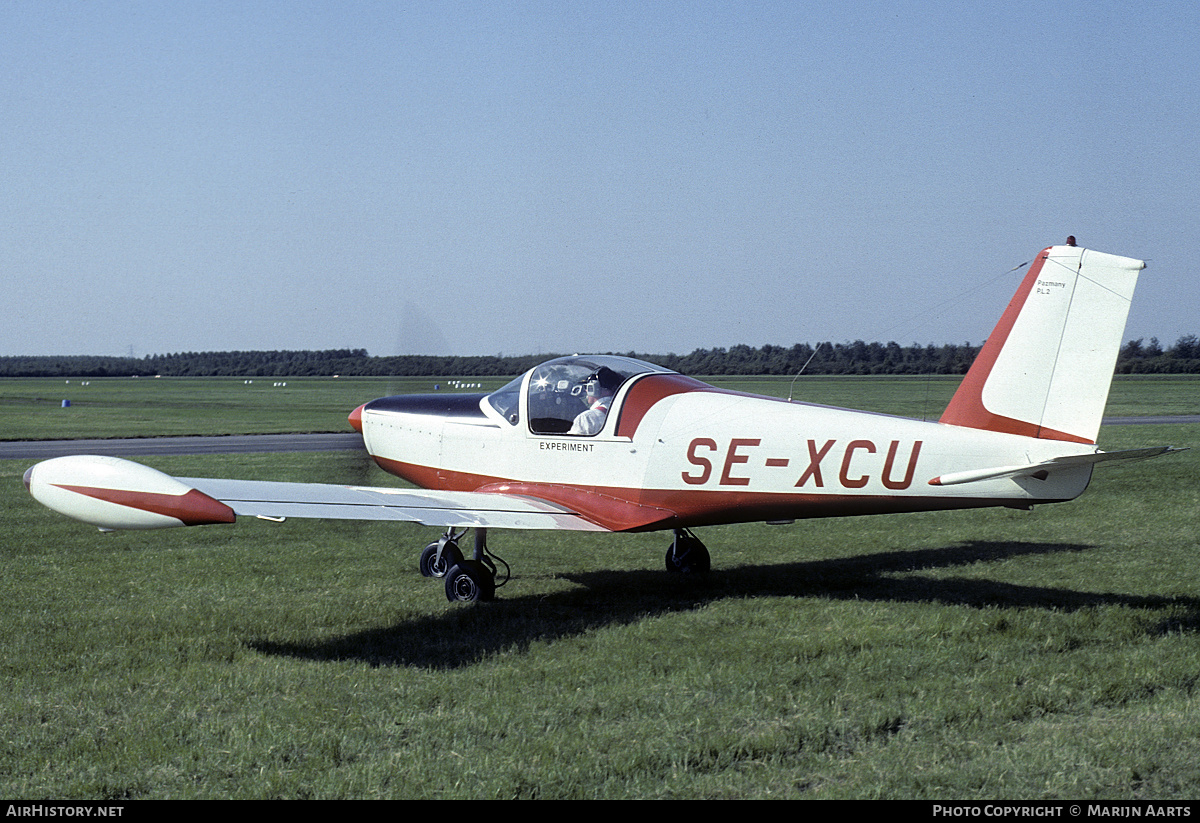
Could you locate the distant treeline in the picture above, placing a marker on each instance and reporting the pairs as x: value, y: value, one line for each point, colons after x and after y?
x: 1136, y: 357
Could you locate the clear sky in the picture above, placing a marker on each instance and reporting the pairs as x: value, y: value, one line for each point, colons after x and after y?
x: 525, y: 177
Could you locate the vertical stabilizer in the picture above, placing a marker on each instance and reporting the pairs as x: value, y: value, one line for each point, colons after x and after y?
x: 1046, y: 369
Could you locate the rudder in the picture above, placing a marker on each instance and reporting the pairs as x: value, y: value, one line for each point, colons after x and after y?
x: 1046, y: 369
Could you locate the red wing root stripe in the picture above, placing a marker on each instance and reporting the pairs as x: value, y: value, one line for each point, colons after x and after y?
x: 192, y: 509
x: 609, y: 511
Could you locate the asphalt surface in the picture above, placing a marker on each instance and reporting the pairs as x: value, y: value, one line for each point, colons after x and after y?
x: 230, y: 444
x: 249, y: 443
x: 1165, y: 419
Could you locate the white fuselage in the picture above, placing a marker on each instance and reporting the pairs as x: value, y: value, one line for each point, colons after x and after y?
x: 703, y: 456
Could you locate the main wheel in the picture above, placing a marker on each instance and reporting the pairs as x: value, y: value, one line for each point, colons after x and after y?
x: 430, y: 567
x: 469, y: 581
x: 688, y: 555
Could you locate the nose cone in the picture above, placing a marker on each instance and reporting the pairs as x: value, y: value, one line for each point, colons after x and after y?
x: 356, y: 418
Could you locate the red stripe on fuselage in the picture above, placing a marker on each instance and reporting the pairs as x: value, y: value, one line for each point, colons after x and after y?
x: 649, y: 390
x: 652, y: 388
x: 632, y: 510
x: 711, y: 508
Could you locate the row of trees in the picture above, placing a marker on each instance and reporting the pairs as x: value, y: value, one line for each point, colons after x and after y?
x: 1136, y: 357
x: 1139, y: 357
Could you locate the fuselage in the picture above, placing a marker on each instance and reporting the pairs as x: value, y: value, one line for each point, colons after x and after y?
x: 676, y: 452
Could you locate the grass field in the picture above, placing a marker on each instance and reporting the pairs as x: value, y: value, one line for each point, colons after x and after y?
x: 31, y: 409
x: 988, y: 654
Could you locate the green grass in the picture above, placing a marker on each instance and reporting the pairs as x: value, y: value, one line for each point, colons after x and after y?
x: 988, y: 654
x: 31, y: 409
x: 925, y: 397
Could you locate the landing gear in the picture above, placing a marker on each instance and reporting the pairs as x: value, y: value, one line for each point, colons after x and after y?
x: 470, y: 580
x: 473, y: 579
x: 466, y: 580
x: 441, y: 556
x: 687, y: 554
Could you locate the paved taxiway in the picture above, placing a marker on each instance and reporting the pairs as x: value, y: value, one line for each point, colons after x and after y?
x: 249, y: 443
x: 229, y: 444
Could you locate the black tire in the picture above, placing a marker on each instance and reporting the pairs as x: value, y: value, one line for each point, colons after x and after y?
x: 687, y: 555
x: 451, y: 557
x: 470, y: 581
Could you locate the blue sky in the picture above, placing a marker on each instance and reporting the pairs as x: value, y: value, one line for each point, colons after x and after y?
x: 482, y: 178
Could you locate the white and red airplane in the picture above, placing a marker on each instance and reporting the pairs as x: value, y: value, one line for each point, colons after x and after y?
x: 612, y: 444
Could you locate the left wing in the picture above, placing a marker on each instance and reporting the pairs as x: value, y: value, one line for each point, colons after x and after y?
x: 113, y: 493
x: 260, y: 498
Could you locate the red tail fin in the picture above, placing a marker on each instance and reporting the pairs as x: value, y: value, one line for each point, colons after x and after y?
x: 1046, y: 369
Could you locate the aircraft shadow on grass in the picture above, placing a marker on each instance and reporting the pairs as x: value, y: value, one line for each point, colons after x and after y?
x: 462, y: 637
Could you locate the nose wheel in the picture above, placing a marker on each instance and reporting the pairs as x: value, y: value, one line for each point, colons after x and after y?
x: 442, y: 555
x: 467, y: 580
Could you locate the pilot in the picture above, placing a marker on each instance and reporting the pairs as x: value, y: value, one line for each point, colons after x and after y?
x: 599, y: 388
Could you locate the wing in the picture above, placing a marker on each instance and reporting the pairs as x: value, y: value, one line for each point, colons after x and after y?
x: 113, y: 493
x: 257, y: 498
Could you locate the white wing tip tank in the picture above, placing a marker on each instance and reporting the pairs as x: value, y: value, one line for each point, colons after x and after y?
x: 113, y: 494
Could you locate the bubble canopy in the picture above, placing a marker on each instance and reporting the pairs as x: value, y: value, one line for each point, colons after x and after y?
x: 558, y: 390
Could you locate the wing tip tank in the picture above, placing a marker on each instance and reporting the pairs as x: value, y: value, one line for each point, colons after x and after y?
x: 116, y: 494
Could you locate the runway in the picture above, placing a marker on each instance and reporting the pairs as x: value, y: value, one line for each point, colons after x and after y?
x: 249, y: 443
x: 229, y: 444
x: 1163, y: 420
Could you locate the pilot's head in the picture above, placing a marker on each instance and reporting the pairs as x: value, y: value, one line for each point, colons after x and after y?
x: 601, y: 383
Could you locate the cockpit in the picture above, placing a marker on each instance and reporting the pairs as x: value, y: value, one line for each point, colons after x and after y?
x: 569, y: 395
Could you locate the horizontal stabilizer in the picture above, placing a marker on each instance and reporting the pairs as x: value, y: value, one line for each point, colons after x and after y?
x: 1046, y: 466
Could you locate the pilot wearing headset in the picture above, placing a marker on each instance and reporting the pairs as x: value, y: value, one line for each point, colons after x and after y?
x: 599, y: 389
